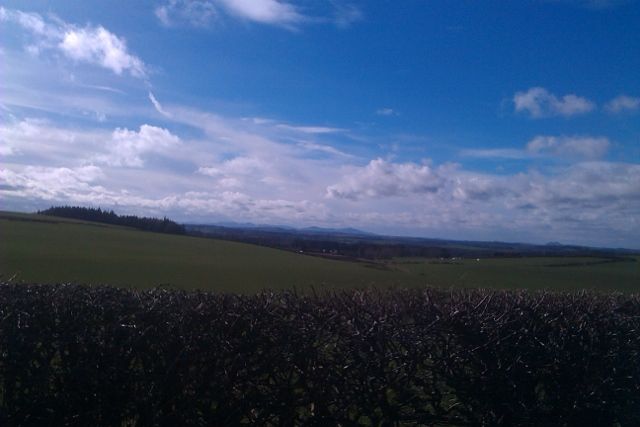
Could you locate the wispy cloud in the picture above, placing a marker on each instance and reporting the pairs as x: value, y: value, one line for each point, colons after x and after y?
x: 346, y: 14
x: 280, y: 13
x: 310, y: 129
x: 90, y: 44
x: 200, y: 13
x: 623, y: 103
x: 386, y: 112
x: 495, y: 153
x: 312, y: 146
x: 538, y: 102
x: 197, y: 13
x: 585, y: 147
x: 158, y: 106
x: 577, y: 147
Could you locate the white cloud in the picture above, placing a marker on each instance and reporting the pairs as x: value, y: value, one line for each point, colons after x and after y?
x: 282, y: 13
x: 386, y: 112
x: 595, y: 186
x: 198, y: 13
x: 30, y: 21
x: 623, y: 103
x: 274, y: 12
x: 92, y: 45
x: 236, y: 166
x: 569, y: 146
x: 381, y: 178
x: 312, y: 146
x: 241, y: 172
x: 538, y: 102
x: 584, y: 202
x: 34, y: 137
x: 127, y: 147
x: 84, y: 185
x: 158, y: 106
x: 495, y: 153
x: 5, y: 149
x: 310, y: 129
x: 96, y: 45
x: 50, y: 183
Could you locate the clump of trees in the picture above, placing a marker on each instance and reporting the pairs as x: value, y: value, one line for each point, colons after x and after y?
x: 163, y: 225
x: 75, y: 356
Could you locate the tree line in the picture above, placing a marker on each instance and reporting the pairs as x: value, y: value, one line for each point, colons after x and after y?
x: 158, y: 225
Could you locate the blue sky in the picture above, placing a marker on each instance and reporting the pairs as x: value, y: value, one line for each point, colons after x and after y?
x: 487, y: 120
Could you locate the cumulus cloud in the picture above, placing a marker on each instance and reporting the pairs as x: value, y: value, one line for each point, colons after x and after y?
x: 588, y: 185
x: 622, y: 103
x: 569, y: 146
x: 50, y: 183
x: 96, y: 45
x: 600, y: 196
x: 37, y: 137
x: 84, y: 185
x: 538, y: 102
x: 90, y: 44
x: 381, y: 178
x: 127, y: 147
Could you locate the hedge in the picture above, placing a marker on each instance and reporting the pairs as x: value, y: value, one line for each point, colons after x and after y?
x: 75, y: 356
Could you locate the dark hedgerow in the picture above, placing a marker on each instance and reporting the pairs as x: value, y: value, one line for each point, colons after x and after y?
x: 77, y: 356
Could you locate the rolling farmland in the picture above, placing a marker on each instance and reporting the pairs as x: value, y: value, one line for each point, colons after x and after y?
x: 46, y: 250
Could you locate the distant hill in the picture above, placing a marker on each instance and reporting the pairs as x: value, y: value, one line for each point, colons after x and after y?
x: 345, y: 231
x: 280, y: 228
x: 354, y: 243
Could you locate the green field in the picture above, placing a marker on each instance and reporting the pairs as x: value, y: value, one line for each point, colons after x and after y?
x: 48, y: 250
x: 566, y: 273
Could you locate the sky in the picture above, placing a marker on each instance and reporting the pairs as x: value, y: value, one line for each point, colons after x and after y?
x: 472, y: 120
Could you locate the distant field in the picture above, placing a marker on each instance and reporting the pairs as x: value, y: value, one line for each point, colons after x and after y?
x: 566, y: 273
x: 44, y: 249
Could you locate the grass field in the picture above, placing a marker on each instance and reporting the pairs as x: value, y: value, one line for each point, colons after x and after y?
x: 566, y: 273
x: 44, y: 249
